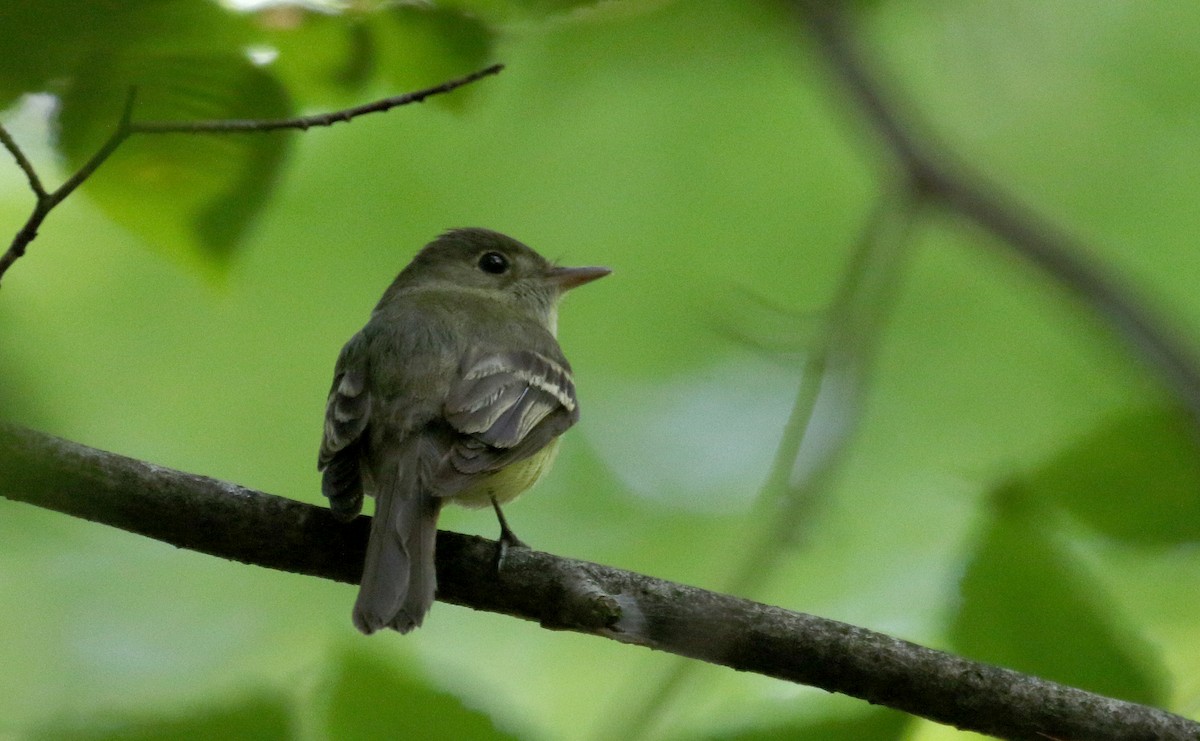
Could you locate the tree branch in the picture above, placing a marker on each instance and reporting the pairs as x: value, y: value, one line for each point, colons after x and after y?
x: 45, y: 201
x: 936, y: 175
x: 240, y: 524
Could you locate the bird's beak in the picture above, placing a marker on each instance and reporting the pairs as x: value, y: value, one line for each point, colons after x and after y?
x: 567, y: 278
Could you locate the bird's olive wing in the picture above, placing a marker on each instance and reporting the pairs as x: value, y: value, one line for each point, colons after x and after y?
x: 347, y: 412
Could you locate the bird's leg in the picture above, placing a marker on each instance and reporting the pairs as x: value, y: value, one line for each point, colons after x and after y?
x: 508, y: 539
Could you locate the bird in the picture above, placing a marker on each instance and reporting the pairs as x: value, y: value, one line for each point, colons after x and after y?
x: 455, y: 390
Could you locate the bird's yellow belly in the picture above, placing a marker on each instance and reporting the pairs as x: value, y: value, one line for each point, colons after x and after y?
x: 507, y: 484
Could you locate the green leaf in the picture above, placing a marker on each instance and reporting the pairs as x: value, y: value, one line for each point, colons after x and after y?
x: 63, y: 32
x: 420, y: 46
x: 397, y: 47
x: 1028, y: 605
x: 53, y: 28
x: 189, y: 195
x: 320, y: 57
x: 260, y: 718
x: 370, y: 699
x: 1135, y: 480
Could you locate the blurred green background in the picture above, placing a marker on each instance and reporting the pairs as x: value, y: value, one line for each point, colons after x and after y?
x: 1019, y: 489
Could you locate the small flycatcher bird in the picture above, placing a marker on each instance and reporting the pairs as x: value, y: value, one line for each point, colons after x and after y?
x: 455, y: 390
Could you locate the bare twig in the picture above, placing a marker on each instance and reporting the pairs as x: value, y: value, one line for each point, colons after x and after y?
x: 35, y: 183
x: 45, y: 201
x: 122, y: 131
x: 941, y: 179
x: 307, y: 122
x: 236, y: 523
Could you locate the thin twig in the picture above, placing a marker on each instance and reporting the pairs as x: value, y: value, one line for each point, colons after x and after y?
x: 938, y: 176
x: 24, y: 236
x: 41, y: 205
x: 119, y: 135
x: 307, y: 122
x: 46, y: 201
x: 236, y: 523
x: 35, y: 183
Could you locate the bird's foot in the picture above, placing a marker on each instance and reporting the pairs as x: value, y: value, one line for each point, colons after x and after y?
x: 508, y: 539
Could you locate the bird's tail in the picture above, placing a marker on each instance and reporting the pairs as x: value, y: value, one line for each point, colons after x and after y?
x: 399, y: 578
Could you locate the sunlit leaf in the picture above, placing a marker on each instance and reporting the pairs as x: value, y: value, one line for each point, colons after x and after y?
x: 321, y: 57
x: 1028, y: 605
x: 187, y: 194
x: 420, y: 46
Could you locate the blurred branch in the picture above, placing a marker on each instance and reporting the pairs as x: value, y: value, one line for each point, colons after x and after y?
x: 937, y: 177
x: 833, y: 378
x: 236, y: 523
x: 45, y: 201
x: 822, y: 422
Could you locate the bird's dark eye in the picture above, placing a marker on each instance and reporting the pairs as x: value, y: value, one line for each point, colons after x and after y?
x: 493, y: 262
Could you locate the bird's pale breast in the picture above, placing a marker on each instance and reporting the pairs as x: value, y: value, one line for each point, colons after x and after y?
x: 509, y: 482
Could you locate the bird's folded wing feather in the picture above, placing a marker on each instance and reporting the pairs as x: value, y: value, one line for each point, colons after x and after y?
x: 346, y: 414
x: 509, y: 405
